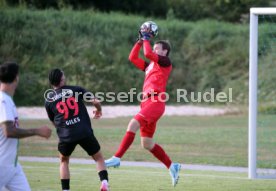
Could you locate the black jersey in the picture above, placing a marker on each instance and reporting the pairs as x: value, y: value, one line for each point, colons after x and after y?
x: 65, y: 108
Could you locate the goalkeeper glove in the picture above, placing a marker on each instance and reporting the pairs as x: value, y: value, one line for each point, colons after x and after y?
x: 140, y: 36
x: 146, y: 35
x: 139, y: 39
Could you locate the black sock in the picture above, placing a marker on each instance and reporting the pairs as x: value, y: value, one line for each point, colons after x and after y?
x: 103, y: 175
x: 65, y: 184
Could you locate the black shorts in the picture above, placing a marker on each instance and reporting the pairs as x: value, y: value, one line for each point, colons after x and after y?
x: 89, y: 144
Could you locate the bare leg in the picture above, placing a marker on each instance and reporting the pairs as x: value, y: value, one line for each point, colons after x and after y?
x: 64, y: 172
x: 98, y: 157
x: 100, y: 165
x: 147, y: 143
x: 64, y: 167
x: 133, y: 125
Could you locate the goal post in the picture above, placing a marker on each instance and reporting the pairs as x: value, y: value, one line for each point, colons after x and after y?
x: 253, y: 88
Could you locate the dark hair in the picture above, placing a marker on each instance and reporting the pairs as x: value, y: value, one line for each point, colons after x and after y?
x: 8, y: 72
x: 165, y: 45
x: 55, y: 76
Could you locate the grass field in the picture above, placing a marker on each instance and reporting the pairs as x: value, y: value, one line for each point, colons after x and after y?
x: 220, y: 140
x: 45, y: 177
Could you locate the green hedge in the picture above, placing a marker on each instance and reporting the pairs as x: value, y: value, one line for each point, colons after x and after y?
x: 93, y: 50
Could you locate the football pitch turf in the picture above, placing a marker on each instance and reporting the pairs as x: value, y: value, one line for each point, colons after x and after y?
x: 218, y: 140
x: 44, y: 176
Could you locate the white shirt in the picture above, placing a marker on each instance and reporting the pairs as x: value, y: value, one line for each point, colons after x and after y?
x: 8, y: 146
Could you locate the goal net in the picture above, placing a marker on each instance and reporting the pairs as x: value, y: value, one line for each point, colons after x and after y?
x: 262, y: 94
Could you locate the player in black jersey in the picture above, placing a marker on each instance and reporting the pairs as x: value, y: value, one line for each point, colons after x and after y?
x: 69, y: 115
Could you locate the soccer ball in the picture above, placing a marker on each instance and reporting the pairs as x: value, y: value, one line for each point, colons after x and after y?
x: 149, y: 26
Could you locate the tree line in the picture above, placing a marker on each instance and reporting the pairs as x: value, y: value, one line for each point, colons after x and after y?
x: 188, y: 10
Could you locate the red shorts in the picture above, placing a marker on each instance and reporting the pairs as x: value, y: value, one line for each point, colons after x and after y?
x: 151, y: 111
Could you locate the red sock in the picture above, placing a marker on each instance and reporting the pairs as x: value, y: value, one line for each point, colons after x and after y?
x: 125, y: 143
x: 160, y: 154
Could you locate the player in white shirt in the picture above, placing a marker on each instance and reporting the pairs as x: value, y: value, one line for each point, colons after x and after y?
x: 12, y: 176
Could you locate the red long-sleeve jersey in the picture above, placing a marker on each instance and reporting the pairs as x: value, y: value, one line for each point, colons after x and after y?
x: 157, y: 71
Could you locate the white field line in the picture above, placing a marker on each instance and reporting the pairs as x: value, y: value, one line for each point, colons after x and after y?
x: 153, y: 165
x: 136, y: 172
x: 269, y: 173
x: 141, y: 164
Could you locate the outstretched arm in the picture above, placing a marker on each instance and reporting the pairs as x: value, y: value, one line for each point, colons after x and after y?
x: 134, y: 56
x: 148, y: 52
x: 11, y: 131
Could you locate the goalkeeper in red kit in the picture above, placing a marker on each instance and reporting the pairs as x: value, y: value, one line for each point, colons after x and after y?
x: 157, y: 72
